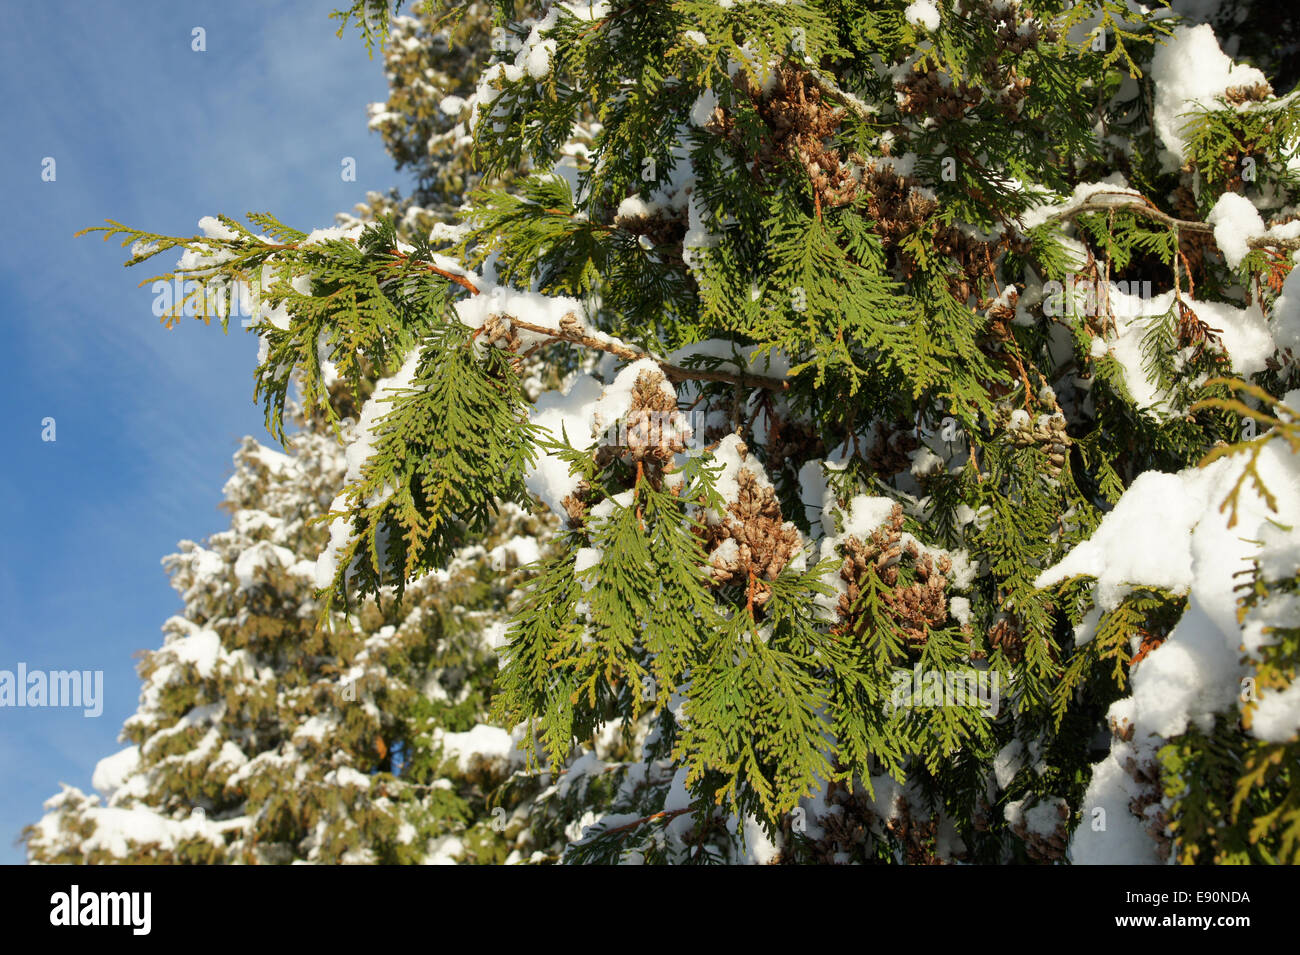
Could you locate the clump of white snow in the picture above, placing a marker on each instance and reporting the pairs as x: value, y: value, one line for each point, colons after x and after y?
x: 1189, y: 71
x: 1284, y: 321
x: 923, y: 13
x: 1235, y: 220
x: 1168, y: 531
x: 112, y: 771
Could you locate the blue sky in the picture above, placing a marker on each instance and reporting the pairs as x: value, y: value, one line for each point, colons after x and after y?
x: 146, y: 131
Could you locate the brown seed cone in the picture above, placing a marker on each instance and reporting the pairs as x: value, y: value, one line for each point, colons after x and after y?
x: 802, y: 122
x: 914, y: 608
x: 890, y: 450
x: 652, y: 431
x: 1050, y: 847
x: 764, y: 541
x: 1006, y: 636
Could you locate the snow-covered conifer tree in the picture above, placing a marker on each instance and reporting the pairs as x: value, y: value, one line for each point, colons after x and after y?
x: 261, y: 738
x: 907, y: 355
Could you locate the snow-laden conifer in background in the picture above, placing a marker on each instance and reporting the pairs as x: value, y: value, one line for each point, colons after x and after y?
x: 261, y: 739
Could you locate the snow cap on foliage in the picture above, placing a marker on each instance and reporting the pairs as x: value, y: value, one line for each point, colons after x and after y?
x: 1168, y: 531
x: 1284, y: 322
x: 563, y: 415
x: 923, y: 13
x: 1235, y: 220
x: 1189, y: 71
x: 1243, y: 332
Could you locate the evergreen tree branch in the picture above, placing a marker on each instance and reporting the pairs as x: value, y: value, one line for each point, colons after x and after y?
x: 1144, y: 207
x: 674, y: 372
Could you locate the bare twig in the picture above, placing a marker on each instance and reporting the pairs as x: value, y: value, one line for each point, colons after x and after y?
x: 653, y: 817
x: 460, y: 280
x: 673, y: 372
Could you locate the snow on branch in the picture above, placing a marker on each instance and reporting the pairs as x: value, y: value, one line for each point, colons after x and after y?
x: 1116, y: 200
